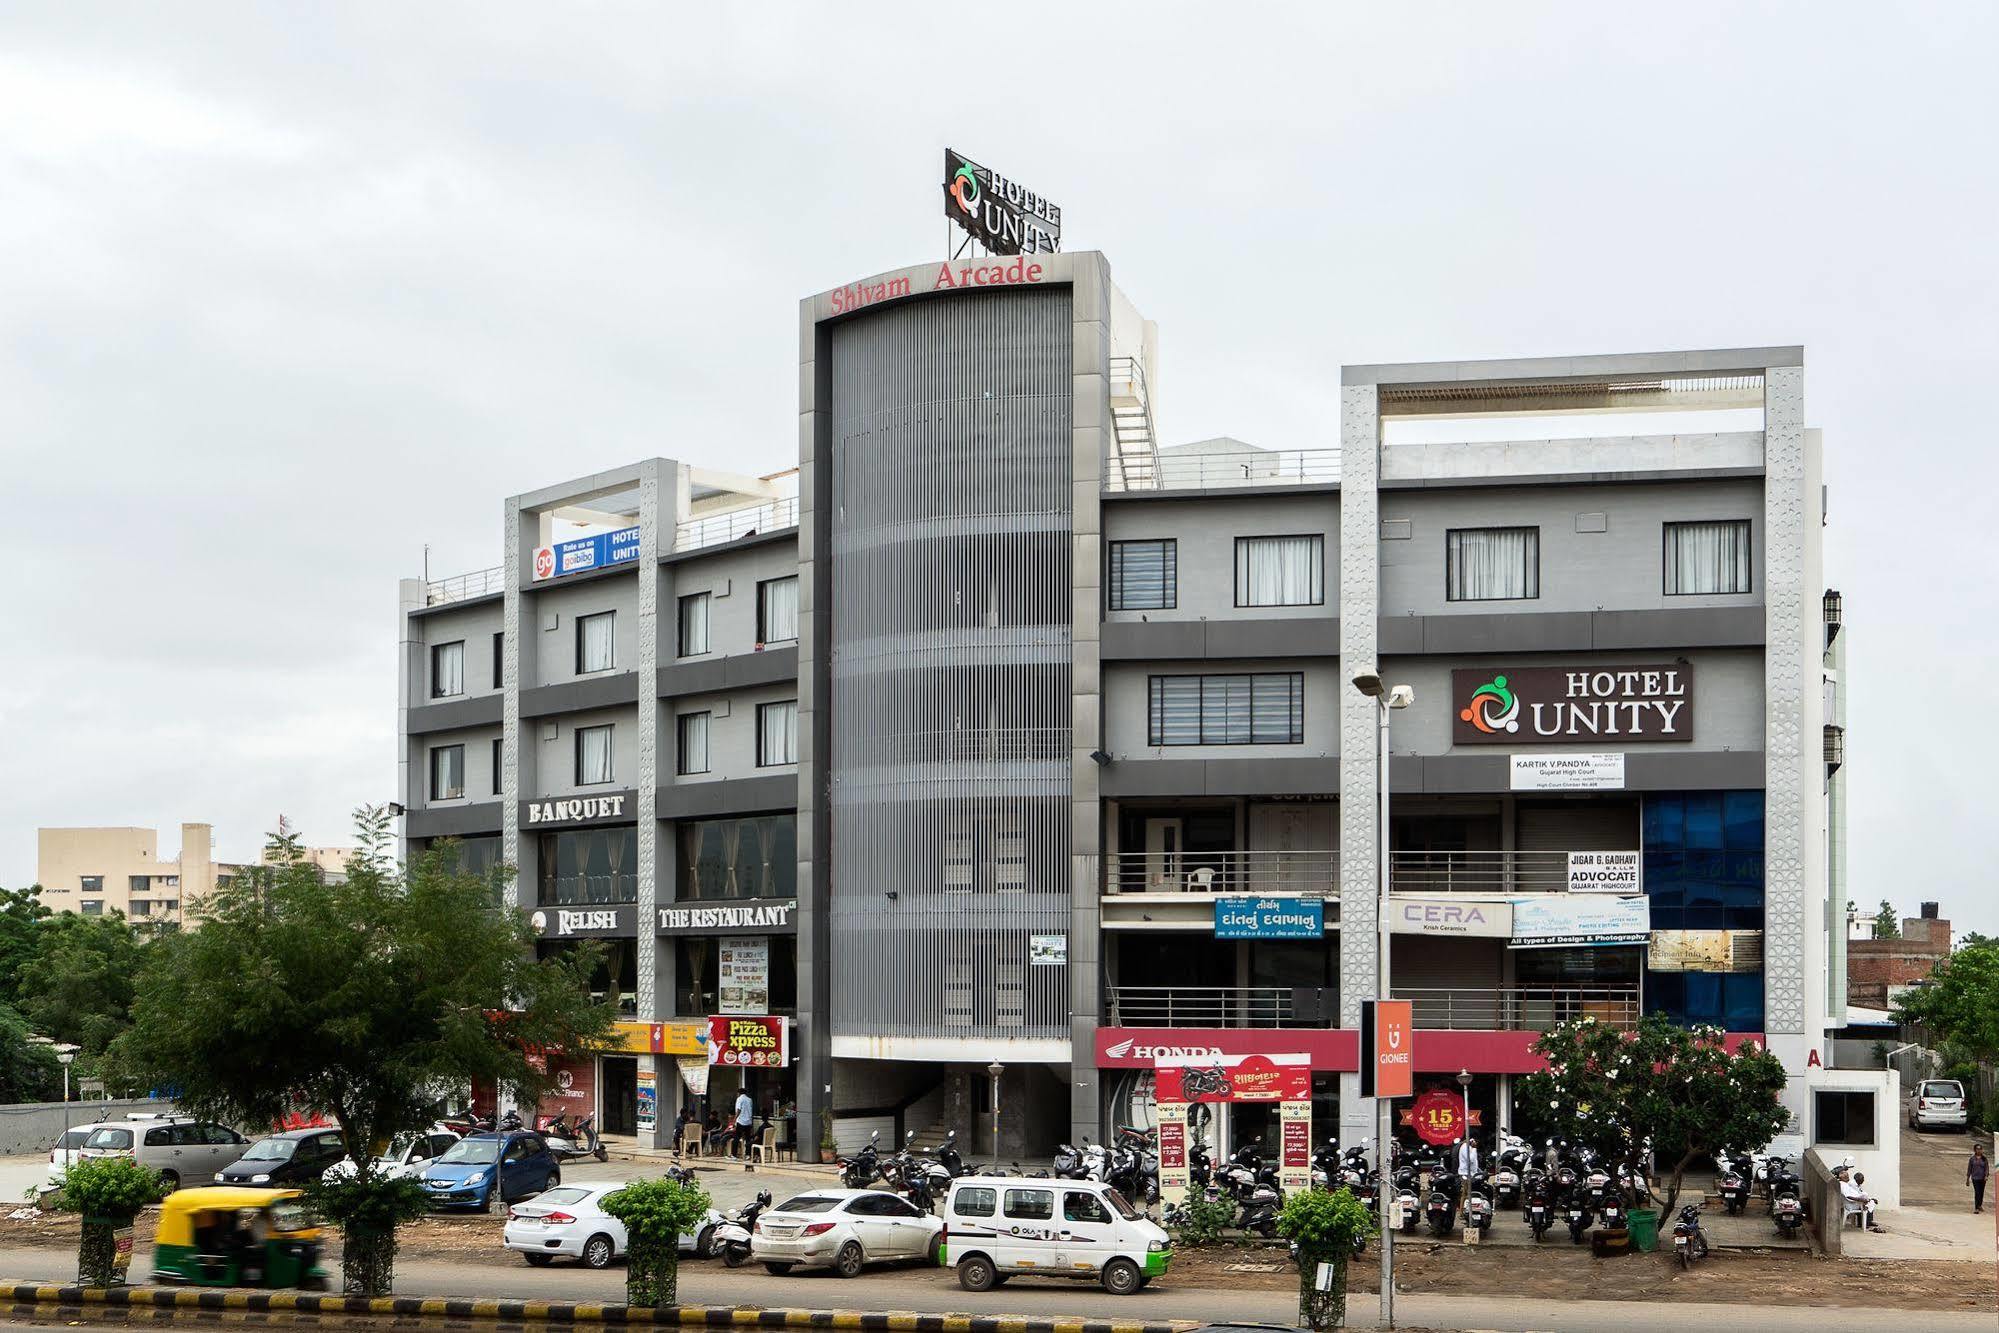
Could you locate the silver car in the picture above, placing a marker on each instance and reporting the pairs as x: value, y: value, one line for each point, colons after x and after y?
x: 1939, y: 1102
x: 184, y: 1152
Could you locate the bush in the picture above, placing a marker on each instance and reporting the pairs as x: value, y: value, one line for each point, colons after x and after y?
x: 368, y: 1213
x: 656, y: 1213
x: 109, y: 1192
x: 1204, y: 1221
x: 1324, y: 1224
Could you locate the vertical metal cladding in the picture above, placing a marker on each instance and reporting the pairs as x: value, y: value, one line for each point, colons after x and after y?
x: 948, y: 780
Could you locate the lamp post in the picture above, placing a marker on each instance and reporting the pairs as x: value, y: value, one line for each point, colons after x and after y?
x: 996, y: 1069
x: 65, y: 1054
x: 1386, y: 700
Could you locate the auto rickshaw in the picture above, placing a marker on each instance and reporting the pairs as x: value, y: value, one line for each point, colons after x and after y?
x: 226, y: 1236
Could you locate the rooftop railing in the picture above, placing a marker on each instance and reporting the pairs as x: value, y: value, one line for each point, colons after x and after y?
x: 464, y: 587
x: 1222, y: 469
x: 734, y: 524
x: 1223, y: 872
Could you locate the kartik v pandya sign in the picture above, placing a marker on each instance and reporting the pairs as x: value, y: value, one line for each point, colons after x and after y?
x: 762, y: 1041
x: 1560, y: 706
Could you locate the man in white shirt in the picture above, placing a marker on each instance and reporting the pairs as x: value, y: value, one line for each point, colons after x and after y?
x: 1467, y: 1158
x: 745, y: 1120
x: 1856, y: 1196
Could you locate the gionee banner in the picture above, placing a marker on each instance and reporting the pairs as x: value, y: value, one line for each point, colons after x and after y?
x: 1285, y: 1079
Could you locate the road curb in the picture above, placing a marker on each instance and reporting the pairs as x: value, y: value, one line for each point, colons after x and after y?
x: 552, y: 1312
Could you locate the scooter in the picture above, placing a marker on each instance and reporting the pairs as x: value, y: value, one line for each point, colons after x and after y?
x: 731, y: 1237
x: 1689, y: 1241
x: 1731, y: 1184
x: 1442, y: 1205
x: 1540, y: 1207
x: 1408, y: 1208
x: 1478, y: 1203
x: 1508, y: 1164
x: 1787, y: 1209
x: 574, y: 1145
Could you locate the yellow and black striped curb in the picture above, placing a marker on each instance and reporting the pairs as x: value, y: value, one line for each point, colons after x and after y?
x: 553, y: 1312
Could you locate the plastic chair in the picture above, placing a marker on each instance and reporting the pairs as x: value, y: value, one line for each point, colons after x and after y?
x: 690, y: 1139
x: 765, y: 1148
x: 1848, y: 1208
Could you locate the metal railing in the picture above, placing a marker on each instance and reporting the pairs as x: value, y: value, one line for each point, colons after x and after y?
x: 731, y: 524
x: 1519, y: 1008
x: 1221, y: 469
x: 1223, y: 872
x: 463, y: 587
x: 1199, y: 1006
x: 1482, y: 872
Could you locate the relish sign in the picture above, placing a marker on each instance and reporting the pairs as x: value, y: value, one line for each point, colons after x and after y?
x: 1558, y: 706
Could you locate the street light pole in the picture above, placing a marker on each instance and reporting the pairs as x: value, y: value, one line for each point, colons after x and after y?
x: 996, y: 1069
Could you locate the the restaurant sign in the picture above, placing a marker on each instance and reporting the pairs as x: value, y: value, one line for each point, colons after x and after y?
x: 576, y: 923
x: 759, y: 1042
x: 575, y: 810
x: 1000, y: 214
x: 1560, y: 706
x: 775, y: 915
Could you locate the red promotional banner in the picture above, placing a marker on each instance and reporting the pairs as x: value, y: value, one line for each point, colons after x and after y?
x: 1254, y: 1078
x: 1394, y: 1048
x: 1439, y: 1117
x: 1173, y: 1145
x: 1297, y: 1143
x: 760, y: 1041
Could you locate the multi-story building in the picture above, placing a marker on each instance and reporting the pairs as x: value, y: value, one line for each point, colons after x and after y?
x: 95, y: 871
x: 971, y: 747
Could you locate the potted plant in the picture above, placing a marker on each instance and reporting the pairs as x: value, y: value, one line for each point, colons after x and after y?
x: 109, y: 1192
x: 656, y: 1213
x: 1325, y: 1226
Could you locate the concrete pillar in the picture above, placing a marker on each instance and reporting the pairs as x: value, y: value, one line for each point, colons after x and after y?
x: 1360, y: 578
x: 813, y: 1041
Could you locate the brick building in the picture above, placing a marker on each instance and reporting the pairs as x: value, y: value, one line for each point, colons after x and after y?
x: 1876, y: 968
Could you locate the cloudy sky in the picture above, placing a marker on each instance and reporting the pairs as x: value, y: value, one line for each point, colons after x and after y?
x: 288, y: 292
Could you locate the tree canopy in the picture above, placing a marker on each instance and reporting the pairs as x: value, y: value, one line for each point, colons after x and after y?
x: 76, y: 987
x: 1960, y: 1005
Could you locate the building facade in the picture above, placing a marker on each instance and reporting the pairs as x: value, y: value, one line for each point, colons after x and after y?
x: 999, y: 748
x: 98, y: 871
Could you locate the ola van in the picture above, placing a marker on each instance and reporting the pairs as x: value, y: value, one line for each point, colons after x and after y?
x: 998, y: 1226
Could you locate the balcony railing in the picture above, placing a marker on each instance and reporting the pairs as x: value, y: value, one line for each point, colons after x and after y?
x: 464, y: 587
x: 1200, y: 1006
x: 1224, y: 872
x: 1223, y: 469
x: 1481, y: 872
x: 1519, y: 1008
x: 730, y: 524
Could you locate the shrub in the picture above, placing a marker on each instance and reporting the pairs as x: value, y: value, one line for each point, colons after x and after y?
x: 368, y: 1211
x: 1324, y: 1224
x: 656, y: 1213
x: 1204, y: 1221
x: 109, y: 1192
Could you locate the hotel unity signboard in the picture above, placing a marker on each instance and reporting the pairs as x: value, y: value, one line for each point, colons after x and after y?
x: 1000, y: 214
x: 1580, y: 706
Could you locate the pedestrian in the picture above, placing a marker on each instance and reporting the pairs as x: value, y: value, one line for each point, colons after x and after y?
x: 1975, y: 1172
x: 1855, y: 1193
x: 746, y: 1114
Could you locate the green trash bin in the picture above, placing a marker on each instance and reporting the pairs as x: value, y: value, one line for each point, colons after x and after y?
x: 1644, y: 1226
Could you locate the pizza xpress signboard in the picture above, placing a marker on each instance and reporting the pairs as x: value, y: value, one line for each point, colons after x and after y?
x: 1558, y: 706
x: 759, y: 1042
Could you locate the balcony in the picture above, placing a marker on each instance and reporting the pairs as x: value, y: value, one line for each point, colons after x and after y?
x: 733, y: 524
x: 1198, y: 1006
x: 1197, y: 468
x: 1498, y: 873
x: 464, y: 587
x: 1519, y: 1008
x: 1302, y: 872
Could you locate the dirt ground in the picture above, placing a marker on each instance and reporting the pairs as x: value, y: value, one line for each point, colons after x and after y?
x: 1436, y: 1268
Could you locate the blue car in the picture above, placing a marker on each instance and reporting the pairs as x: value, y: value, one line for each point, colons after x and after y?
x: 481, y: 1169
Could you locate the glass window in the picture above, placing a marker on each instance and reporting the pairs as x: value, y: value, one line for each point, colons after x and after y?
x: 93, y: 907
x: 1280, y: 571
x: 593, y: 755
x: 777, y: 610
x: 596, y: 642
x: 499, y: 659
x: 588, y: 867
x: 1031, y: 1205
x: 1144, y: 576
x: 159, y: 1138
x: 1492, y: 564
x: 1708, y: 557
x: 1844, y: 1117
x: 694, y: 624
x: 615, y: 977
x: 136, y: 883
x: 91, y: 883
x: 447, y: 669
x: 499, y: 761
x: 752, y: 857
x: 1263, y: 709
x: 976, y: 1201
x: 696, y: 975
x: 109, y: 1138
x: 777, y: 733
x: 1078, y: 1206
x: 693, y: 743
x: 447, y: 772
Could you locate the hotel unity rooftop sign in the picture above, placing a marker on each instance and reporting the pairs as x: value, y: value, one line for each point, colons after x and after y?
x: 1000, y: 214
x: 1563, y: 706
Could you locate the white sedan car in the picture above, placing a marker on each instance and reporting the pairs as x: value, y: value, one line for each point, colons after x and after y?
x: 408, y: 1155
x: 570, y: 1220
x: 844, y: 1230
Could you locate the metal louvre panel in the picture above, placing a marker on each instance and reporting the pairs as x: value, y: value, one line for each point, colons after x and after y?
x: 948, y: 777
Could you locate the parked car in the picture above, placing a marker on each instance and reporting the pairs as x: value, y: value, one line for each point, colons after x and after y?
x: 1938, y: 1102
x: 408, y: 1155
x: 998, y: 1226
x: 68, y: 1147
x: 481, y: 1169
x: 291, y: 1158
x: 845, y: 1230
x: 184, y: 1152
x: 570, y: 1220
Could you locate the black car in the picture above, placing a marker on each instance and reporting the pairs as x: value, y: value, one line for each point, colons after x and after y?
x: 294, y: 1157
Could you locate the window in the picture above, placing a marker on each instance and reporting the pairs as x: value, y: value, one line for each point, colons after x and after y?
x: 499, y: 659
x: 755, y: 856
x: 1033, y: 1205
x: 694, y: 624
x: 1280, y: 571
x: 447, y: 670
x: 594, y: 642
x: 593, y: 755
x: 1078, y: 1206
x: 978, y: 1200
x: 589, y: 867
x: 499, y: 761
x: 1709, y: 557
x: 92, y: 883
x: 693, y: 743
x: 1844, y: 1117
x: 1144, y: 576
x: 1264, y: 709
x: 447, y: 772
x: 777, y: 610
x: 1492, y: 564
x: 136, y: 883
x: 777, y: 733
x: 93, y: 907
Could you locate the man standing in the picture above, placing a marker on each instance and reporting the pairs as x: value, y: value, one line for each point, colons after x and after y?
x: 1975, y: 1172
x: 1467, y: 1157
x: 746, y: 1114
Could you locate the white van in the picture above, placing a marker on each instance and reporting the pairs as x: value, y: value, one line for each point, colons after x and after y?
x: 997, y: 1226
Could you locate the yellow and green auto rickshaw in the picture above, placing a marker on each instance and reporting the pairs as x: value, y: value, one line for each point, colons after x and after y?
x: 226, y: 1236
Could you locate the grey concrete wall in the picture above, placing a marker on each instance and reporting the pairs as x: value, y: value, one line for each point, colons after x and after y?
x: 34, y: 1127
x: 731, y: 581
x: 1126, y: 709
x: 556, y: 610
x: 1206, y: 529
x: 478, y: 743
x: 732, y: 738
x: 556, y: 757
x: 475, y: 626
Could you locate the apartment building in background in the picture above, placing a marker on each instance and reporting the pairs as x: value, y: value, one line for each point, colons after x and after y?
x: 1000, y: 734
x: 98, y: 871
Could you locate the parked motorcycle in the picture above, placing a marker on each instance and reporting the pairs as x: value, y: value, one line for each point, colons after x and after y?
x: 1787, y: 1205
x: 1440, y: 1206
x: 1732, y: 1183
x: 1576, y: 1211
x: 731, y: 1237
x: 1540, y: 1206
x: 1478, y: 1202
x: 1689, y: 1241
x: 864, y: 1167
x: 573, y: 1145
x: 1509, y: 1164
x: 1408, y: 1208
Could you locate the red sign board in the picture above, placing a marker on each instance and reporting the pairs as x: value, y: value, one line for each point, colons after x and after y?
x: 1145, y: 1048
x: 1173, y: 1145
x: 1439, y: 1117
x: 757, y: 1041
x: 1393, y: 1048
x: 1253, y: 1078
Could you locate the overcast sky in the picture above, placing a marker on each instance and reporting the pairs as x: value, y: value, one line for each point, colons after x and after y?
x: 289, y: 291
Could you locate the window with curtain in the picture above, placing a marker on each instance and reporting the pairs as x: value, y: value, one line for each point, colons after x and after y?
x: 693, y: 743
x: 447, y: 670
x: 777, y: 610
x: 1280, y: 571
x: 588, y: 866
x: 447, y: 772
x: 1263, y: 709
x: 777, y: 733
x: 694, y: 624
x: 1707, y: 557
x: 593, y: 755
x: 1144, y: 576
x: 596, y: 642
x: 1492, y: 564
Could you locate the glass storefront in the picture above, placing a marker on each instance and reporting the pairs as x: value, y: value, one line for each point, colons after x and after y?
x: 698, y: 975
x: 752, y: 857
x: 589, y: 866
x: 617, y: 973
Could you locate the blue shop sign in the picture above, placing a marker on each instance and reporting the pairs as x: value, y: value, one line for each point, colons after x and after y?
x: 1244, y: 918
x: 586, y: 553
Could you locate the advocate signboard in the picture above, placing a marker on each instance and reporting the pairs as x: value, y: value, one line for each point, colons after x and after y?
x: 1246, y: 918
x: 1568, y: 772
x: 762, y: 1041
x: 1001, y: 214
x: 1560, y: 920
x: 584, y: 923
x: 586, y: 553
x: 1488, y: 918
x: 1564, y: 706
x: 1603, y: 872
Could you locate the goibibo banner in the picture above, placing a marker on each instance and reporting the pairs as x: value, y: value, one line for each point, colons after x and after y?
x: 1560, y: 706
x: 586, y: 553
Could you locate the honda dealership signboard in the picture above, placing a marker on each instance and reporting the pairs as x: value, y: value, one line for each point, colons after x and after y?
x: 1573, y: 706
x: 586, y: 553
x: 1247, y: 918
x: 1561, y: 920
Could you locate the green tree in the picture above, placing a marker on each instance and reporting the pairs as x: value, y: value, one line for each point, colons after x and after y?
x: 365, y: 1000
x: 109, y: 1192
x: 77, y: 986
x: 1327, y: 1226
x: 22, y: 915
x: 1887, y: 926
x: 656, y: 1213
x: 29, y: 1071
x: 1960, y: 1005
x: 1679, y: 1088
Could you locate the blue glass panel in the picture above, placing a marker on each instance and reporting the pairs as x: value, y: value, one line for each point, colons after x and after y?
x: 1666, y: 993
x: 1704, y: 996
x: 1704, y: 820
x: 1742, y: 1010
x: 1742, y: 821
x: 1665, y: 821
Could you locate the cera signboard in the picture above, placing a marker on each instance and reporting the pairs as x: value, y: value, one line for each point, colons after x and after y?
x: 1432, y: 916
x: 1572, y: 706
